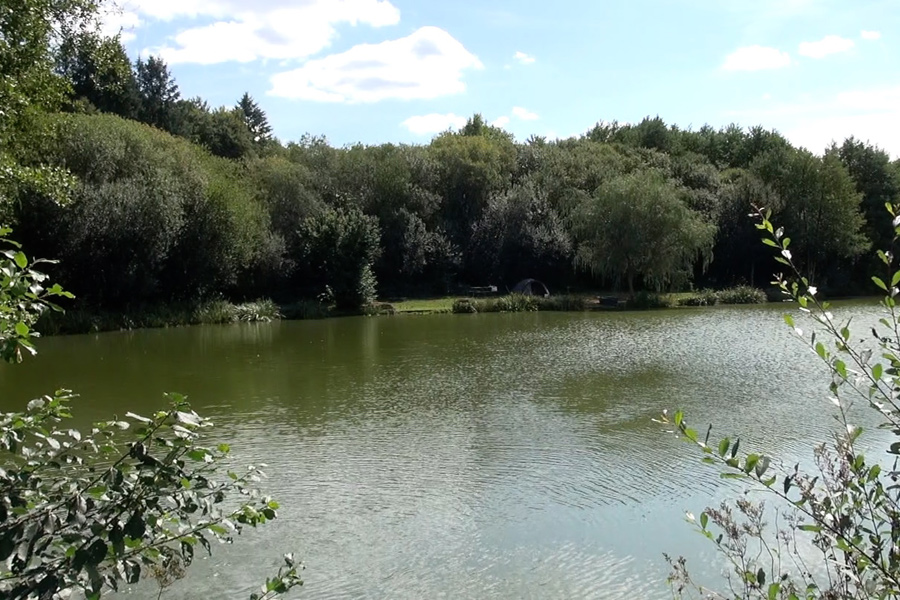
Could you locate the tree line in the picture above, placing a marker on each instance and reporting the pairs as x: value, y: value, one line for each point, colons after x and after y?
x: 173, y: 201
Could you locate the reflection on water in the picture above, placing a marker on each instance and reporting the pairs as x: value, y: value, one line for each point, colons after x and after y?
x: 488, y: 456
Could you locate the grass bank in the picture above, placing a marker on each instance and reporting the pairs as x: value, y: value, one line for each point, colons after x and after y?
x: 80, y: 320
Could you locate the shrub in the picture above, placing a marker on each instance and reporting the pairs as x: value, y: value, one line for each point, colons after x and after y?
x: 259, y: 311
x: 509, y: 303
x: 464, y: 306
x: 563, y: 303
x: 701, y: 298
x: 215, y: 312
x: 305, y: 309
x: 649, y: 300
x: 152, y: 219
x: 742, y: 294
x: 341, y: 246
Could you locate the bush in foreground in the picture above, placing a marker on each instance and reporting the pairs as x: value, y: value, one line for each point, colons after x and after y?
x: 835, y: 534
x: 87, y: 511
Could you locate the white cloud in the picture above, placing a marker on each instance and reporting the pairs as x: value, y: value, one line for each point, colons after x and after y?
x: 429, y: 63
x: 869, y: 114
x: 870, y: 35
x: 500, y: 121
x: 524, y: 114
x: 828, y: 45
x: 117, y: 21
x: 523, y: 58
x: 234, y: 30
x: 875, y: 99
x: 433, y: 123
x: 756, y: 58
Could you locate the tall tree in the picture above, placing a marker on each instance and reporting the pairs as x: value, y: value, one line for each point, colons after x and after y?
x: 878, y: 183
x: 636, y: 226
x: 255, y: 118
x: 100, y: 72
x: 159, y: 93
x: 820, y: 203
x: 28, y: 83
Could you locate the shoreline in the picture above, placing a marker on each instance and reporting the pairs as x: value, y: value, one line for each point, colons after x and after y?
x: 81, y: 320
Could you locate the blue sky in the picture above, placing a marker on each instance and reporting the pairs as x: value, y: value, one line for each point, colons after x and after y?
x: 377, y: 71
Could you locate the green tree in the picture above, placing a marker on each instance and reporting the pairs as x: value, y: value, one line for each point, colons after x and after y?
x: 254, y: 118
x: 28, y: 84
x: 224, y: 133
x: 470, y: 169
x: 520, y: 235
x: 100, y: 73
x: 341, y: 246
x: 158, y: 91
x: 637, y: 226
x: 820, y: 203
x: 871, y: 170
x: 739, y: 258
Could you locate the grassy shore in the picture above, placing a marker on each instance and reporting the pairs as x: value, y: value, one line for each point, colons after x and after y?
x: 221, y: 311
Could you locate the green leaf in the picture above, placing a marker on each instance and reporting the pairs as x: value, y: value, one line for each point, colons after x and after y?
x: 841, y: 368
x: 877, y: 371
x: 880, y: 283
x: 811, y: 528
x: 22, y: 329
x: 723, y: 446
x: 704, y: 520
x: 21, y: 260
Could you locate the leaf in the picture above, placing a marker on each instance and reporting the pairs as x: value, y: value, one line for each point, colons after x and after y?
x: 135, y: 417
x: 880, y: 283
x: 22, y: 329
x: 877, y: 372
x: 704, y: 520
x: 21, y: 260
x: 187, y: 418
x: 762, y: 466
x: 723, y: 446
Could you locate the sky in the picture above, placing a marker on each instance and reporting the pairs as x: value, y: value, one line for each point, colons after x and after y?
x: 376, y: 71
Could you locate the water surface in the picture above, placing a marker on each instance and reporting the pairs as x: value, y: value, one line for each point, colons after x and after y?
x: 463, y: 456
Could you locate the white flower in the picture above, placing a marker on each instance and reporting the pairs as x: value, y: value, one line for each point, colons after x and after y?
x: 812, y: 290
x: 787, y: 254
x: 690, y: 516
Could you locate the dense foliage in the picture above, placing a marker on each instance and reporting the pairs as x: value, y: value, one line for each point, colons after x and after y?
x: 175, y: 201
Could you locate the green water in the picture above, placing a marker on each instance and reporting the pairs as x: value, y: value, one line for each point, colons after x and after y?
x: 463, y: 456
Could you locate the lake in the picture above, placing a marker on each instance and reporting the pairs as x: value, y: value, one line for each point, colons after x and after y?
x: 464, y: 456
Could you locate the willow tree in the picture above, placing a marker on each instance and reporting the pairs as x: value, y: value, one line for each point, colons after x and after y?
x: 637, y: 226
